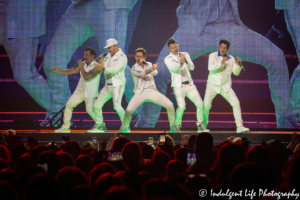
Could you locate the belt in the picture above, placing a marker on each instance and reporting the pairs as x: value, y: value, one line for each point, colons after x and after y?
x: 185, y: 82
x: 109, y: 83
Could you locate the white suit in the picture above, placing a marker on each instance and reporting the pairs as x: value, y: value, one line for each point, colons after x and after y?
x: 115, y: 66
x: 145, y: 91
x: 179, y: 75
x: 219, y: 82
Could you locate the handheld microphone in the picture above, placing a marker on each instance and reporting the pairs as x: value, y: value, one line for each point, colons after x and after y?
x: 144, y: 62
x: 241, y: 64
x: 82, y: 59
x: 102, y: 57
x: 184, y: 59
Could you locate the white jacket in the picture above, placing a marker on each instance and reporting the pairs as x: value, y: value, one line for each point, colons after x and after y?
x: 92, y: 85
x: 117, y: 67
x: 138, y: 72
x: 216, y: 68
x: 173, y: 64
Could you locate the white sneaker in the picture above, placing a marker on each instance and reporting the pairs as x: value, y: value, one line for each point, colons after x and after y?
x: 174, y: 129
x: 124, y: 129
x: 242, y: 129
x: 98, y: 129
x: 63, y: 129
x: 202, y: 128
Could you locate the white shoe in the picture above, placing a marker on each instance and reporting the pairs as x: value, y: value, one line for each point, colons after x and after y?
x: 124, y: 129
x: 174, y: 129
x: 202, y: 129
x: 63, y: 129
x: 242, y: 129
x: 98, y: 129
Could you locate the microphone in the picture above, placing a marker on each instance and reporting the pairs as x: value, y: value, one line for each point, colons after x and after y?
x: 241, y: 65
x: 102, y: 57
x: 82, y: 59
x: 144, y: 62
x: 184, y: 59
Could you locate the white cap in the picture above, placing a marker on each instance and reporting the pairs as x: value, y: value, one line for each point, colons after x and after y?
x: 110, y: 42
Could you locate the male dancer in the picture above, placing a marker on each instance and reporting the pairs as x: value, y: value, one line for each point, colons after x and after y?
x: 221, y: 66
x: 145, y: 91
x: 179, y: 65
x: 87, y: 88
x: 114, y: 65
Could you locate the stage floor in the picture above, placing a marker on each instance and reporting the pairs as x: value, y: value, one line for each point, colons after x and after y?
x: 45, y: 136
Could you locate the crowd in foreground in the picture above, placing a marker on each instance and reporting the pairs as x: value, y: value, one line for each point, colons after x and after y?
x: 29, y: 170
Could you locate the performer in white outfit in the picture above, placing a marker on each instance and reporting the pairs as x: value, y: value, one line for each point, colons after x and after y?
x: 221, y: 66
x: 87, y: 88
x: 114, y: 65
x: 179, y: 65
x: 145, y: 91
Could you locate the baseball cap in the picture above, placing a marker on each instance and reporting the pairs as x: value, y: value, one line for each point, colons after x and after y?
x: 110, y: 42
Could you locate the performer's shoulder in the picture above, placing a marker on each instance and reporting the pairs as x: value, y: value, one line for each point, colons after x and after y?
x: 168, y: 56
x: 213, y: 54
x: 135, y: 65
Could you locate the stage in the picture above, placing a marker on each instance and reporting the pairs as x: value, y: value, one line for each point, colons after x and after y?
x: 44, y: 136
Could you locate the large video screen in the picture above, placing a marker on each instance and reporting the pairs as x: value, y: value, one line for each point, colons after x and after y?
x: 36, y: 36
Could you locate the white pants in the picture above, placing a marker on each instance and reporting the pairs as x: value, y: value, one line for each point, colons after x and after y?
x: 230, y: 97
x: 106, y: 94
x: 192, y: 93
x: 74, y: 100
x: 153, y: 96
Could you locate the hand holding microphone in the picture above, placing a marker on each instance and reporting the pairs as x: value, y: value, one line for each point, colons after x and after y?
x: 183, y: 59
x: 224, y: 60
x: 101, y: 57
x: 239, y: 62
x: 142, y: 60
x: 79, y: 63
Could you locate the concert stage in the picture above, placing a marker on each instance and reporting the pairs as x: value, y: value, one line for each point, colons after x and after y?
x: 81, y: 136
